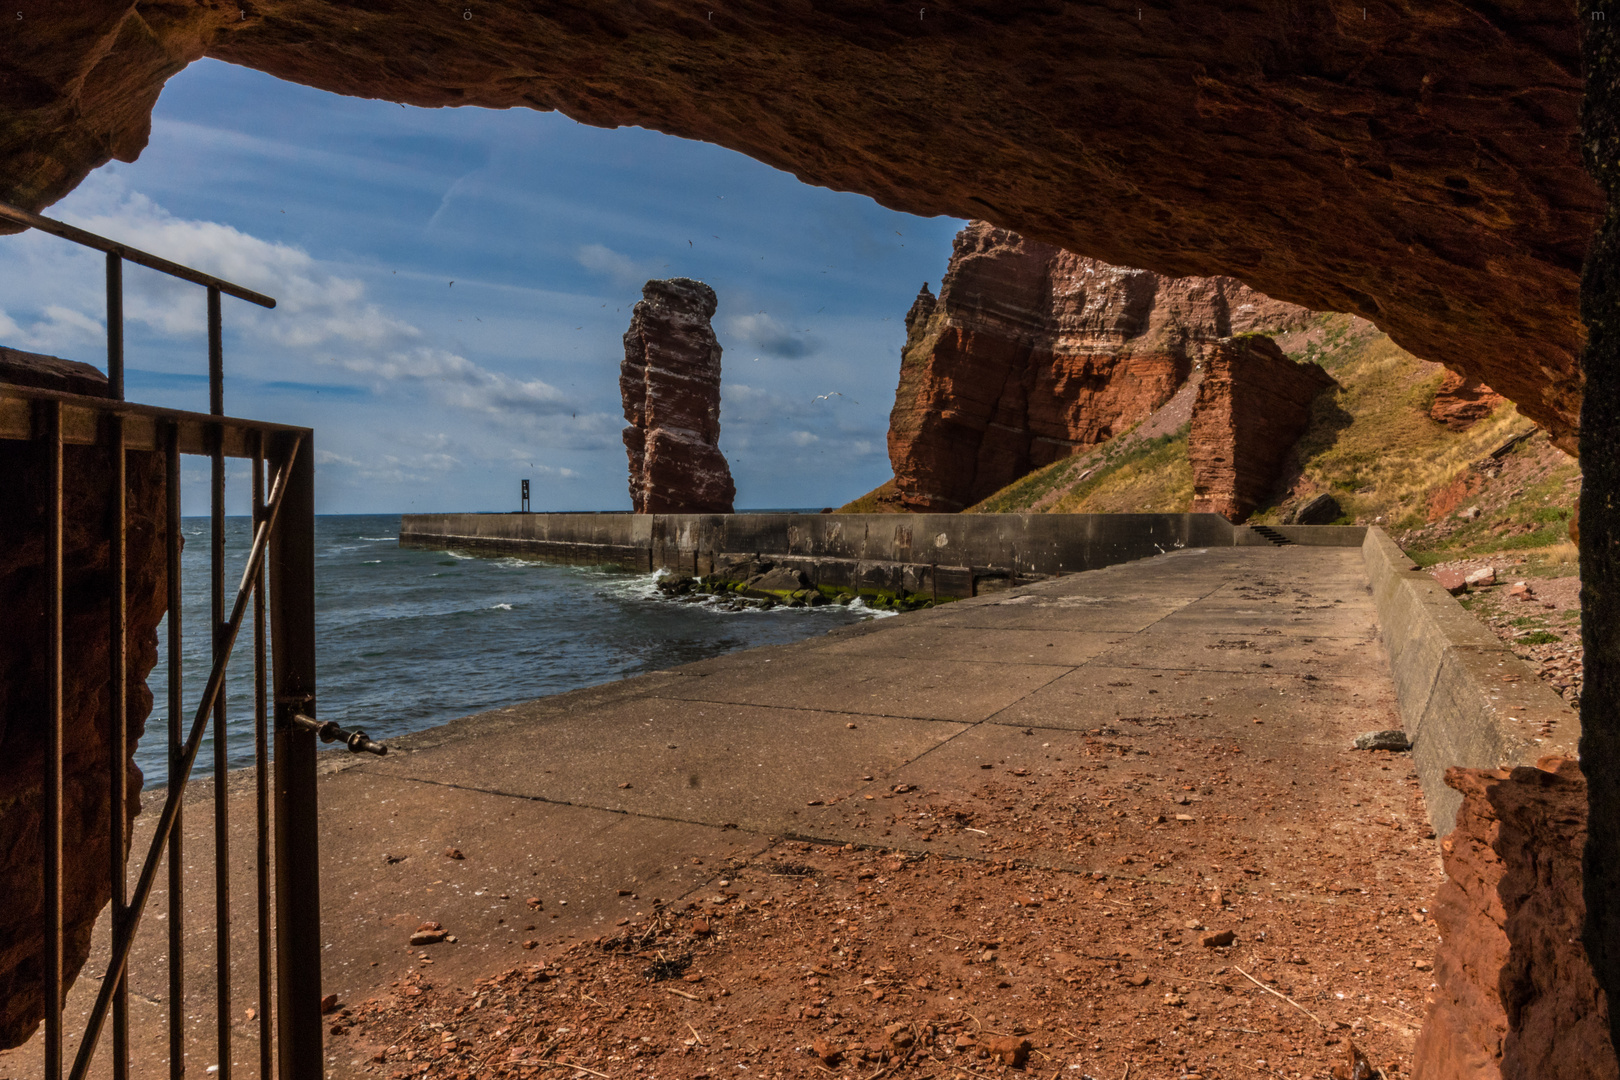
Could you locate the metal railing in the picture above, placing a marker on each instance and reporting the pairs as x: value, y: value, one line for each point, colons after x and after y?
x: 282, y: 550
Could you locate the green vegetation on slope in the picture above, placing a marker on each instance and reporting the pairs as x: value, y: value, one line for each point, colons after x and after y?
x: 1371, y: 443
x: 883, y: 499
x: 1147, y: 476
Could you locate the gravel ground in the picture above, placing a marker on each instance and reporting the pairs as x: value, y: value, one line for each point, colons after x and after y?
x: 811, y: 960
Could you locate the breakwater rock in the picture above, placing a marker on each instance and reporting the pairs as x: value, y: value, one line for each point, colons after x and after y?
x: 670, y: 382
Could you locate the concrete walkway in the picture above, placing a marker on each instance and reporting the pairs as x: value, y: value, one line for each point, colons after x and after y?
x: 596, y: 802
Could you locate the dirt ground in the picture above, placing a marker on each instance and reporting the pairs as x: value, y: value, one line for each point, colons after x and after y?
x: 1543, y: 626
x: 811, y: 960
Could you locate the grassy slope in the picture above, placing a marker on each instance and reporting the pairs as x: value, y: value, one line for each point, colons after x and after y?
x: 1150, y: 476
x: 1371, y: 445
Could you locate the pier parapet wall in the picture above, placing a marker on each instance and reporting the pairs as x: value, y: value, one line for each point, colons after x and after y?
x: 943, y: 556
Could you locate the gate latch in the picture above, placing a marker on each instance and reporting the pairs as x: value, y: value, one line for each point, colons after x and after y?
x: 357, y: 741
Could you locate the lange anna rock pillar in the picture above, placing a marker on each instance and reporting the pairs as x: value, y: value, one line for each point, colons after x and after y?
x: 670, y: 382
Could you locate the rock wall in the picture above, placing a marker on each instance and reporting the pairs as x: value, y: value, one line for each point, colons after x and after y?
x: 1515, y: 996
x: 1421, y: 167
x: 670, y: 382
x: 24, y: 689
x: 1461, y: 401
x: 1031, y: 353
x: 1253, y: 405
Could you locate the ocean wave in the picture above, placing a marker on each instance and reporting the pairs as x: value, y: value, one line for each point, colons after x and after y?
x: 372, y: 562
x: 458, y: 555
x: 378, y: 538
x: 500, y: 607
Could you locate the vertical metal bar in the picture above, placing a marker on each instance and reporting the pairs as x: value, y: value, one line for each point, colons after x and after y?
x: 51, y: 820
x: 261, y: 770
x: 177, y: 984
x: 216, y: 355
x: 118, y: 728
x: 115, y: 325
x: 216, y: 621
x: 298, y: 892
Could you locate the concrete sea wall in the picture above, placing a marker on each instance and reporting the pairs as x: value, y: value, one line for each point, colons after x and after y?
x: 1465, y: 698
x: 944, y: 556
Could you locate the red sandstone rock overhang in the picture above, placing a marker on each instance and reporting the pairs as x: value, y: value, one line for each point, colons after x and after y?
x: 1415, y: 162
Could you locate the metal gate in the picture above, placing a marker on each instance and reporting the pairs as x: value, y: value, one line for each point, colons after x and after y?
x: 288, y: 891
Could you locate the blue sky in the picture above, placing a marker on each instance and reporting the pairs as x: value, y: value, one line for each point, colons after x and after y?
x: 356, y: 215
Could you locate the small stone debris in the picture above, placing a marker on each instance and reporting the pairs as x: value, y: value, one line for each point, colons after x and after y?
x: 1356, y: 1066
x: 453, y: 853
x: 534, y: 902
x: 392, y: 859
x: 1485, y: 575
x: 1009, y: 1050
x: 1220, y: 939
x: 1454, y: 582
x: 531, y: 944
x: 329, y: 1004
x: 429, y: 933
x: 1521, y: 590
x: 826, y: 1051
x: 1382, y: 740
x: 850, y: 725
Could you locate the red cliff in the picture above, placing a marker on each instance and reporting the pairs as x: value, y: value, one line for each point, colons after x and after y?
x: 1253, y: 405
x: 1515, y: 997
x: 670, y: 382
x: 1460, y: 401
x: 25, y: 686
x: 1031, y: 353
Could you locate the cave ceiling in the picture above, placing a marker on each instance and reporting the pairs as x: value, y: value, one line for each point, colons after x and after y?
x: 1416, y: 163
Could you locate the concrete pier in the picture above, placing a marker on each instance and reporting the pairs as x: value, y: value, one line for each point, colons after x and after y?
x: 1266, y: 658
x: 946, y: 556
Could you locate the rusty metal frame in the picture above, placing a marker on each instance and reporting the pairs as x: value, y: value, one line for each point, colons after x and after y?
x: 279, y: 583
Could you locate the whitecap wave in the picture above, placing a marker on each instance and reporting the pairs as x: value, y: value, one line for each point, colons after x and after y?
x: 500, y: 607
x: 458, y: 555
x: 371, y: 562
x: 378, y: 538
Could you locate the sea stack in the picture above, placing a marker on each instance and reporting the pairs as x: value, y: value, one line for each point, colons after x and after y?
x: 1253, y: 405
x: 670, y: 382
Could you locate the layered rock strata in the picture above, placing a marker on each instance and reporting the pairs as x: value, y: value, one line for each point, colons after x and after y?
x: 1031, y: 353
x: 670, y: 382
x: 1460, y: 402
x: 1515, y: 995
x: 24, y: 690
x: 1253, y: 405
x: 1421, y: 167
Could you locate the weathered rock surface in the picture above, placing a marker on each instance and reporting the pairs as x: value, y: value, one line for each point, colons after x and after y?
x: 24, y: 694
x: 1462, y: 401
x: 670, y: 381
x: 1031, y: 353
x: 1421, y: 167
x: 1516, y: 998
x: 1253, y: 406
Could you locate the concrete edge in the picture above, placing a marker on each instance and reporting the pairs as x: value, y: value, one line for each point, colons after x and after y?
x: 1464, y: 697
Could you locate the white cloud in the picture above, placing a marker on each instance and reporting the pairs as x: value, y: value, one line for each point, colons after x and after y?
x: 763, y: 334
x: 601, y: 259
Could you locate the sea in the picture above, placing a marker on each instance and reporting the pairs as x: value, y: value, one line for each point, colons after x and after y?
x: 408, y: 639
